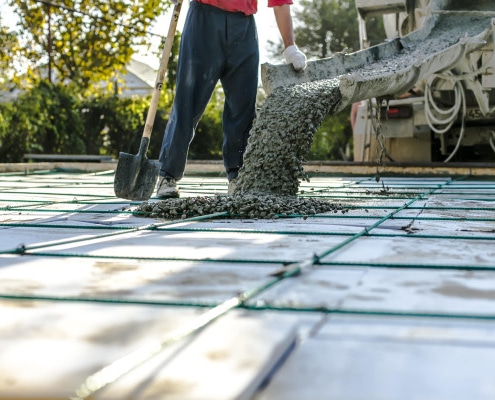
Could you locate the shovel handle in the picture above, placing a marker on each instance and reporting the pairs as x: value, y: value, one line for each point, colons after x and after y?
x: 162, y: 69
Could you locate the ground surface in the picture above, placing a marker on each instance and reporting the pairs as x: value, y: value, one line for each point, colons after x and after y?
x: 391, y: 300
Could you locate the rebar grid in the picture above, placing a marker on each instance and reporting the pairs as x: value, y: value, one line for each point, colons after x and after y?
x: 361, y: 194
x: 82, y: 212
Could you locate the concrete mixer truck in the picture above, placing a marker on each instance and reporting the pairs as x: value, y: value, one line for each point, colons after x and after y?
x: 427, y: 93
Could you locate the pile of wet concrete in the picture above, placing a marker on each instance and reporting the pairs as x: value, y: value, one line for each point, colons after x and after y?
x: 268, y: 181
x: 248, y: 206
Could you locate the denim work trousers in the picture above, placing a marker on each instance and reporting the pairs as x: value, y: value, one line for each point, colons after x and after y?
x: 215, y: 45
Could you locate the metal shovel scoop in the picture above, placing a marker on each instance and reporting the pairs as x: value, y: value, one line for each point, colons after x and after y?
x: 136, y: 175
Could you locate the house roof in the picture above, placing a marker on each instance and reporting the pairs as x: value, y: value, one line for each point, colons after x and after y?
x: 138, y: 79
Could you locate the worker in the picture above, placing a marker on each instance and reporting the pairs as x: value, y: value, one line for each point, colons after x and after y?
x: 219, y: 42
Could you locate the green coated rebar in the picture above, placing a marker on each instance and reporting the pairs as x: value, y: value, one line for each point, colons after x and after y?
x: 355, y: 190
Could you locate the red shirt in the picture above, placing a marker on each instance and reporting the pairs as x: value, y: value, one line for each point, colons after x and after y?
x: 247, y: 7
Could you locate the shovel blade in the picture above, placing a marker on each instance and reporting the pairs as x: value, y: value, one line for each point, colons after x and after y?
x: 135, y: 177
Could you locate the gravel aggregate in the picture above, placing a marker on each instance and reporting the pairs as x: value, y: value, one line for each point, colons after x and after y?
x: 248, y: 206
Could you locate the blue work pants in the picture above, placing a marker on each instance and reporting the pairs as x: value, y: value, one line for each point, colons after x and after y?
x: 215, y: 45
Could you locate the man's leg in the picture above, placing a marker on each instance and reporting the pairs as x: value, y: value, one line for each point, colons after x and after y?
x: 240, y: 84
x: 201, y: 61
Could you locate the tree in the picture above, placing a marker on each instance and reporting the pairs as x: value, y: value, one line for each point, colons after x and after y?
x: 332, y: 141
x: 329, y: 27
x: 10, y: 46
x: 207, y: 143
x: 326, y: 27
x: 83, y: 42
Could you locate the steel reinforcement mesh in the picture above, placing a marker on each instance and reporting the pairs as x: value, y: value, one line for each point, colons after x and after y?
x: 391, y: 224
x: 51, y: 200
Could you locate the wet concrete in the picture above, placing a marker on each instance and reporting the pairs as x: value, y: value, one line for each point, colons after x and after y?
x: 238, y: 206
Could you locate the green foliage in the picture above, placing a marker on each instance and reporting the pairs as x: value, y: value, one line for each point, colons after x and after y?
x: 173, y: 61
x: 326, y: 27
x: 112, y: 123
x: 84, y: 41
x: 10, y: 141
x: 49, y: 119
x: 9, y: 46
x: 43, y: 120
x: 333, y: 139
x: 329, y: 26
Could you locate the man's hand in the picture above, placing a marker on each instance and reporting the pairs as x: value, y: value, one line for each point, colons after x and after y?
x: 295, y: 57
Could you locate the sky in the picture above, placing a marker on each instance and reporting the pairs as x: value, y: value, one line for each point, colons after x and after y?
x: 265, y: 21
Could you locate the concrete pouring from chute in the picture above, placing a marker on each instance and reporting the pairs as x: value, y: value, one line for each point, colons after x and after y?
x: 356, y: 72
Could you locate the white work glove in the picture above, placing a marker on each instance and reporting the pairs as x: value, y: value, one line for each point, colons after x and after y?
x: 295, y: 57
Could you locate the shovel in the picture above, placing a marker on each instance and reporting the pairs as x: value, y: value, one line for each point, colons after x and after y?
x: 136, y: 176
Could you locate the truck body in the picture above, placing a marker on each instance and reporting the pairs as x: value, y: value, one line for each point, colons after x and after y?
x: 449, y: 114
